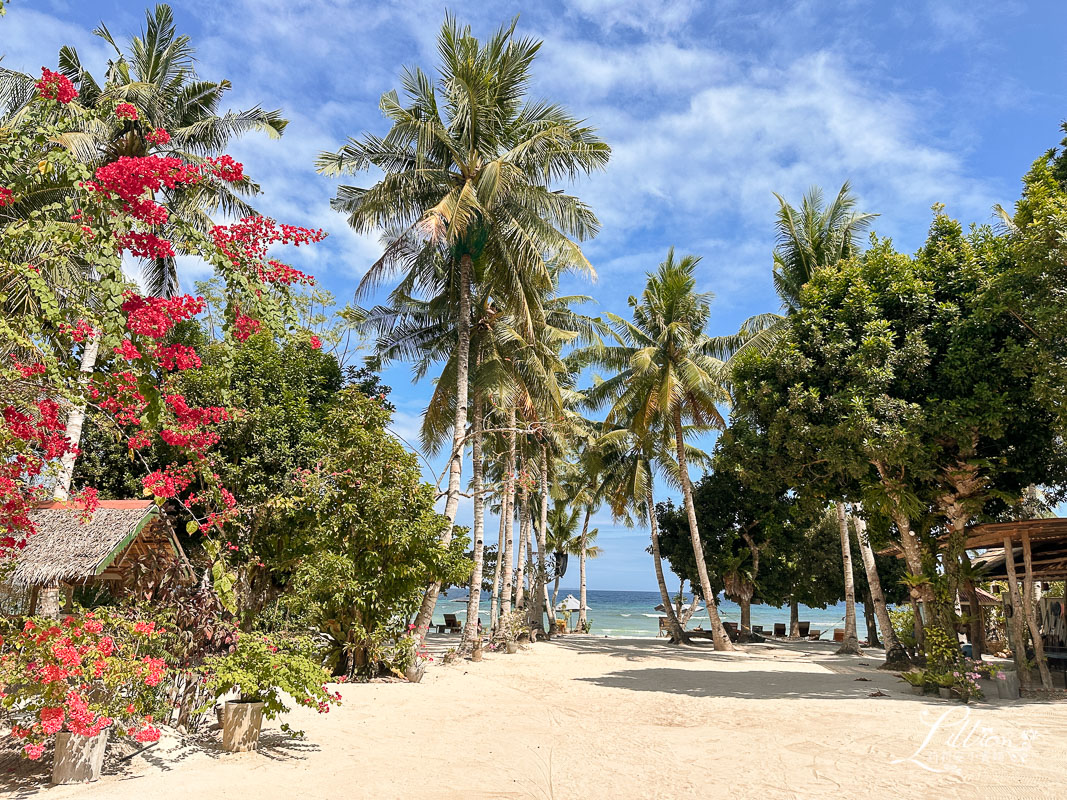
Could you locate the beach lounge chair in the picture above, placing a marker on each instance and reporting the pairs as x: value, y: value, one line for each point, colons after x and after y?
x: 815, y: 634
x: 779, y: 629
x: 453, y: 625
x: 804, y: 628
x: 731, y: 630
x: 839, y: 634
x: 663, y: 629
x: 758, y: 629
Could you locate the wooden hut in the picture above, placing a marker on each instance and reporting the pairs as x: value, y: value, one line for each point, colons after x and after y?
x: 65, y: 551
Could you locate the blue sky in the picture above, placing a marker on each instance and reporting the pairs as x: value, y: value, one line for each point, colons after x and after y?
x: 709, y: 108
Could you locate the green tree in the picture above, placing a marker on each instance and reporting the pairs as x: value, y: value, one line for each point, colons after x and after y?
x: 371, y: 539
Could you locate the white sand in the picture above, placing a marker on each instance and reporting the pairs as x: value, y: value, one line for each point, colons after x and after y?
x: 626, y: 718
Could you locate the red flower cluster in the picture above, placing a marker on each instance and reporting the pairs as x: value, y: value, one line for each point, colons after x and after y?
x: 126, y: 111
x: 132, y: 180
x: 6, y: 197
x: 244, y: 326
x: 155, y: 316
x: 28, y: 370
x: 158, y: 136
x: 226, y: 169
x: 38, y: 437
x: 55, y: 86
x: 315, y: 342
x: 249, y: 239
x: 178, y: 357
x: 146, y: 245
x: 128, y: 351
x: 77, y: 333
x: 170, y: 481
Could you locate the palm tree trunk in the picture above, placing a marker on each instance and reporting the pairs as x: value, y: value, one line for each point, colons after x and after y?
x: 471, y: 634
x: 582, y: 609
x: 506, y: 556
x: 76, y: 420
x: 494, y: 600
x: 674, y: 627
x: 895, y: 655
x: 459, y: 431
x: 718, y: 632
x: 541, y: 573
x: 520, y: 551
x: 851, y: 645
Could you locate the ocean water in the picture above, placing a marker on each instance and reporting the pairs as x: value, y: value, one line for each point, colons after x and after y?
x: 616, y: 613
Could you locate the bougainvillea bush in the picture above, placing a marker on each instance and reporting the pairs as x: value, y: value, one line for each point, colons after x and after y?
x: 80, y: 333
x: 84, y: 675
x: 77, y: 334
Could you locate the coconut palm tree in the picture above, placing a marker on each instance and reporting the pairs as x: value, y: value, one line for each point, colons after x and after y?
x: 565, y: 540
x: 156, y: 73
x: 467, y: 164
x: 809, y: 238
x: 669, y: 371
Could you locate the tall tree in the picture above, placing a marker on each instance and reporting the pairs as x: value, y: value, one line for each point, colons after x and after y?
x: 468, y: 163
x: 668, y: 368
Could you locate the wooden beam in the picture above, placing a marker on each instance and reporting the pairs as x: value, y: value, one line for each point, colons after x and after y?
x: 1031, y: 619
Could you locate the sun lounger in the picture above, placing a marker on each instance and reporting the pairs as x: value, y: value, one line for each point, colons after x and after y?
x: 758, y: 629
x: 453, y: 625
x: 815, y: 634
x: 663, y: 629
x: 839, y: 634
x: 731, y: 630
x: 804, y: 628
x: 779, y: 629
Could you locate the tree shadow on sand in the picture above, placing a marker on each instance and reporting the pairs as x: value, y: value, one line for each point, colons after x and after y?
x: 21, y: 778
x: 754, y: 684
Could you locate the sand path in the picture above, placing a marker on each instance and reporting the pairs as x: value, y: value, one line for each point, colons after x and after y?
x: 626, y: 718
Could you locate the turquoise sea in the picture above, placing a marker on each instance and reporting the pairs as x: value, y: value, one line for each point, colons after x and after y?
x: 617, y: 613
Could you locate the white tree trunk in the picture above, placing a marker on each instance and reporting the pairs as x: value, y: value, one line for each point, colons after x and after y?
x: 583, y: 612
x: 459, y: 432
x: 895, y: 657
x: 471, y: 634
x: 541, y: 570
x: 507, y: 554
x: 718, y: 631
x: 851, y: 645
x: 76, y: 419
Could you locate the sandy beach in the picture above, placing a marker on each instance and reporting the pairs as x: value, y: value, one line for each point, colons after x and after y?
x: 619, y: 718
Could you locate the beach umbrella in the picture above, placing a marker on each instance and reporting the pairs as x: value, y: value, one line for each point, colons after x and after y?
x: 570, y: 603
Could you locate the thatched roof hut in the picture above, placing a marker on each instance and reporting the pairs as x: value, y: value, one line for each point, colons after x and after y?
x: 67, y: 550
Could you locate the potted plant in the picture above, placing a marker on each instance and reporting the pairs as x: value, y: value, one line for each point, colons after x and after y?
x: 261, y: 670
x: 82, y: 679
x: 915, y: 681
x: 944, y: 681
x: 511, y: 626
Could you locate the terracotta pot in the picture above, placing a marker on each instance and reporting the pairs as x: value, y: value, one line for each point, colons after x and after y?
x: 241, y: 723
x: 513, y: 648
x: 476, y: 655
x: 78, y: 759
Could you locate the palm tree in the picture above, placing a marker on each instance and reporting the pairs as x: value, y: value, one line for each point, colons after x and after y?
x: 467, y: 164
x: 565, y: 540
x: 809, y: 239
x: 669, y: 370
x: 156, y: 73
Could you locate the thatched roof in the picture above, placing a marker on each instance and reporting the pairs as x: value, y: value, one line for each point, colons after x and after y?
x: 64, y: 549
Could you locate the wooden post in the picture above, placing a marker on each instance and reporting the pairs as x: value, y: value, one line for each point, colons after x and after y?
x: 33, y: 601
x: 1015, y: 630
x: 1031, y: 618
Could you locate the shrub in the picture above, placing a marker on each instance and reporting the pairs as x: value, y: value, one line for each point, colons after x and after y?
x: 84, y: 674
